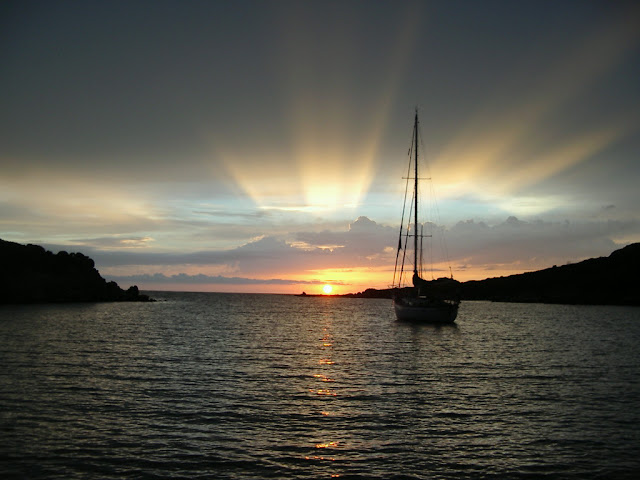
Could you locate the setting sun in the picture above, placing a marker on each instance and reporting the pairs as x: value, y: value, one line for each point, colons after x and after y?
x: 327, y: 289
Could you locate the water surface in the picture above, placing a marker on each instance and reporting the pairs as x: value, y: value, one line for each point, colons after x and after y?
x: 266, y: 386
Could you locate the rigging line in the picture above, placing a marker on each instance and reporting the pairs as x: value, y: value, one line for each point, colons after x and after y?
x: 404, y: 250
x: 424, y: 155
x: 404, y: 207
x: 411, y: 145
x: 416, y: 194
x: 421, y: 248
x: 443, y: 243
x: 431, y: 258
x: 430, y: 252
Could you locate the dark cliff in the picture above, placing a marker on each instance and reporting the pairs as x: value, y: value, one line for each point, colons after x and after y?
x: 31, y: 274
x: 611, y: 280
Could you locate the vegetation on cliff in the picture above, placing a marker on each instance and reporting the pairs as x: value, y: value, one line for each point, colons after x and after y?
x: 611, y: 280
x: 31, y: 274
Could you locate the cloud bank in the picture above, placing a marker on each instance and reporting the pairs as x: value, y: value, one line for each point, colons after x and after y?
x: 362, y: 254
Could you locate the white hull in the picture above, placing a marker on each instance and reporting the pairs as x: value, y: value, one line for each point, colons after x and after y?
x: 445, y: 313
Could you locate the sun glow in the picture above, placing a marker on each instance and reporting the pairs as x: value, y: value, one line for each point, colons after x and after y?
x: 327, y: 289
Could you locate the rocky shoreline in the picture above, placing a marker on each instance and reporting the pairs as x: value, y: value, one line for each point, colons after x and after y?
x: 31, y: 274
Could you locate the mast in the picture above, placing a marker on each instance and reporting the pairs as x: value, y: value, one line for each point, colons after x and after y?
x: 415, y: 196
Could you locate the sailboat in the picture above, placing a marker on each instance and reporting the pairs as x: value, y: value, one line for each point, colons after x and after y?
x: 423, y: 301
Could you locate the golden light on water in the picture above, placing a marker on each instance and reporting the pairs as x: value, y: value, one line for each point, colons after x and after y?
x: 327, y: 445
x: 327, y: 395
x: 323, y: 391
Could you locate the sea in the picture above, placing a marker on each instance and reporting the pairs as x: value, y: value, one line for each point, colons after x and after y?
x: 241, y: 386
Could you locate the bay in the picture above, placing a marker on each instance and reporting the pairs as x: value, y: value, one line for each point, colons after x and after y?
x: 235, y: 386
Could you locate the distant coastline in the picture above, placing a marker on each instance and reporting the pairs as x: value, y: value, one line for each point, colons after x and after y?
x: 31, y: 274
x: 612, y: 280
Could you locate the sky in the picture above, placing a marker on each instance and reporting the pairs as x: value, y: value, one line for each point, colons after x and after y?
x: 260, y: 146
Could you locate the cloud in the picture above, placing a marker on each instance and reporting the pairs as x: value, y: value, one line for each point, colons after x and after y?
x: 182, y: 278
x: 364, y: 243
x: 475, y: 247
x: 220, y: 213
x: 117, y: 241
x: 363, y: 238
x: 535, y: 244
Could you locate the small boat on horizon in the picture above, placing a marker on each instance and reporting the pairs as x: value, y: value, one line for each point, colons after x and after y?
x: 421, y: 301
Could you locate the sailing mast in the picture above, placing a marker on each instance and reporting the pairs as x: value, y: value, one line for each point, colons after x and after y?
x: 422, y: 303
x: 415, y: 196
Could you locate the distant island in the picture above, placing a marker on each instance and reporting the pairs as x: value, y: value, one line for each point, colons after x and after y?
x: 611, y: 280
x: 31, y: 274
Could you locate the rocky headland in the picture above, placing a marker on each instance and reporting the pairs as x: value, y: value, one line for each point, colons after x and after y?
x: 612, y: 280
x: 31, y: 274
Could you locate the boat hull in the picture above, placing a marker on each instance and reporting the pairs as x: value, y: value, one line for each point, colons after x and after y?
x: 422, y: 313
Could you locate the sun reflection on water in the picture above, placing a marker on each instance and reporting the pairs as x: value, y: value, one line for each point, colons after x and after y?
x: 326, y: 374
x: 327, y: 445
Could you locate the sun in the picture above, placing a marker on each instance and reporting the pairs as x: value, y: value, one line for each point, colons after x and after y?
x: 327, y: 289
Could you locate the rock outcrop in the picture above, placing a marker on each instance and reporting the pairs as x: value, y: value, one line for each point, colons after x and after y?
x: 31, y: 274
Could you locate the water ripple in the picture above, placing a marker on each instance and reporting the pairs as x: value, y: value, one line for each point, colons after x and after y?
x: 256, y: 386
